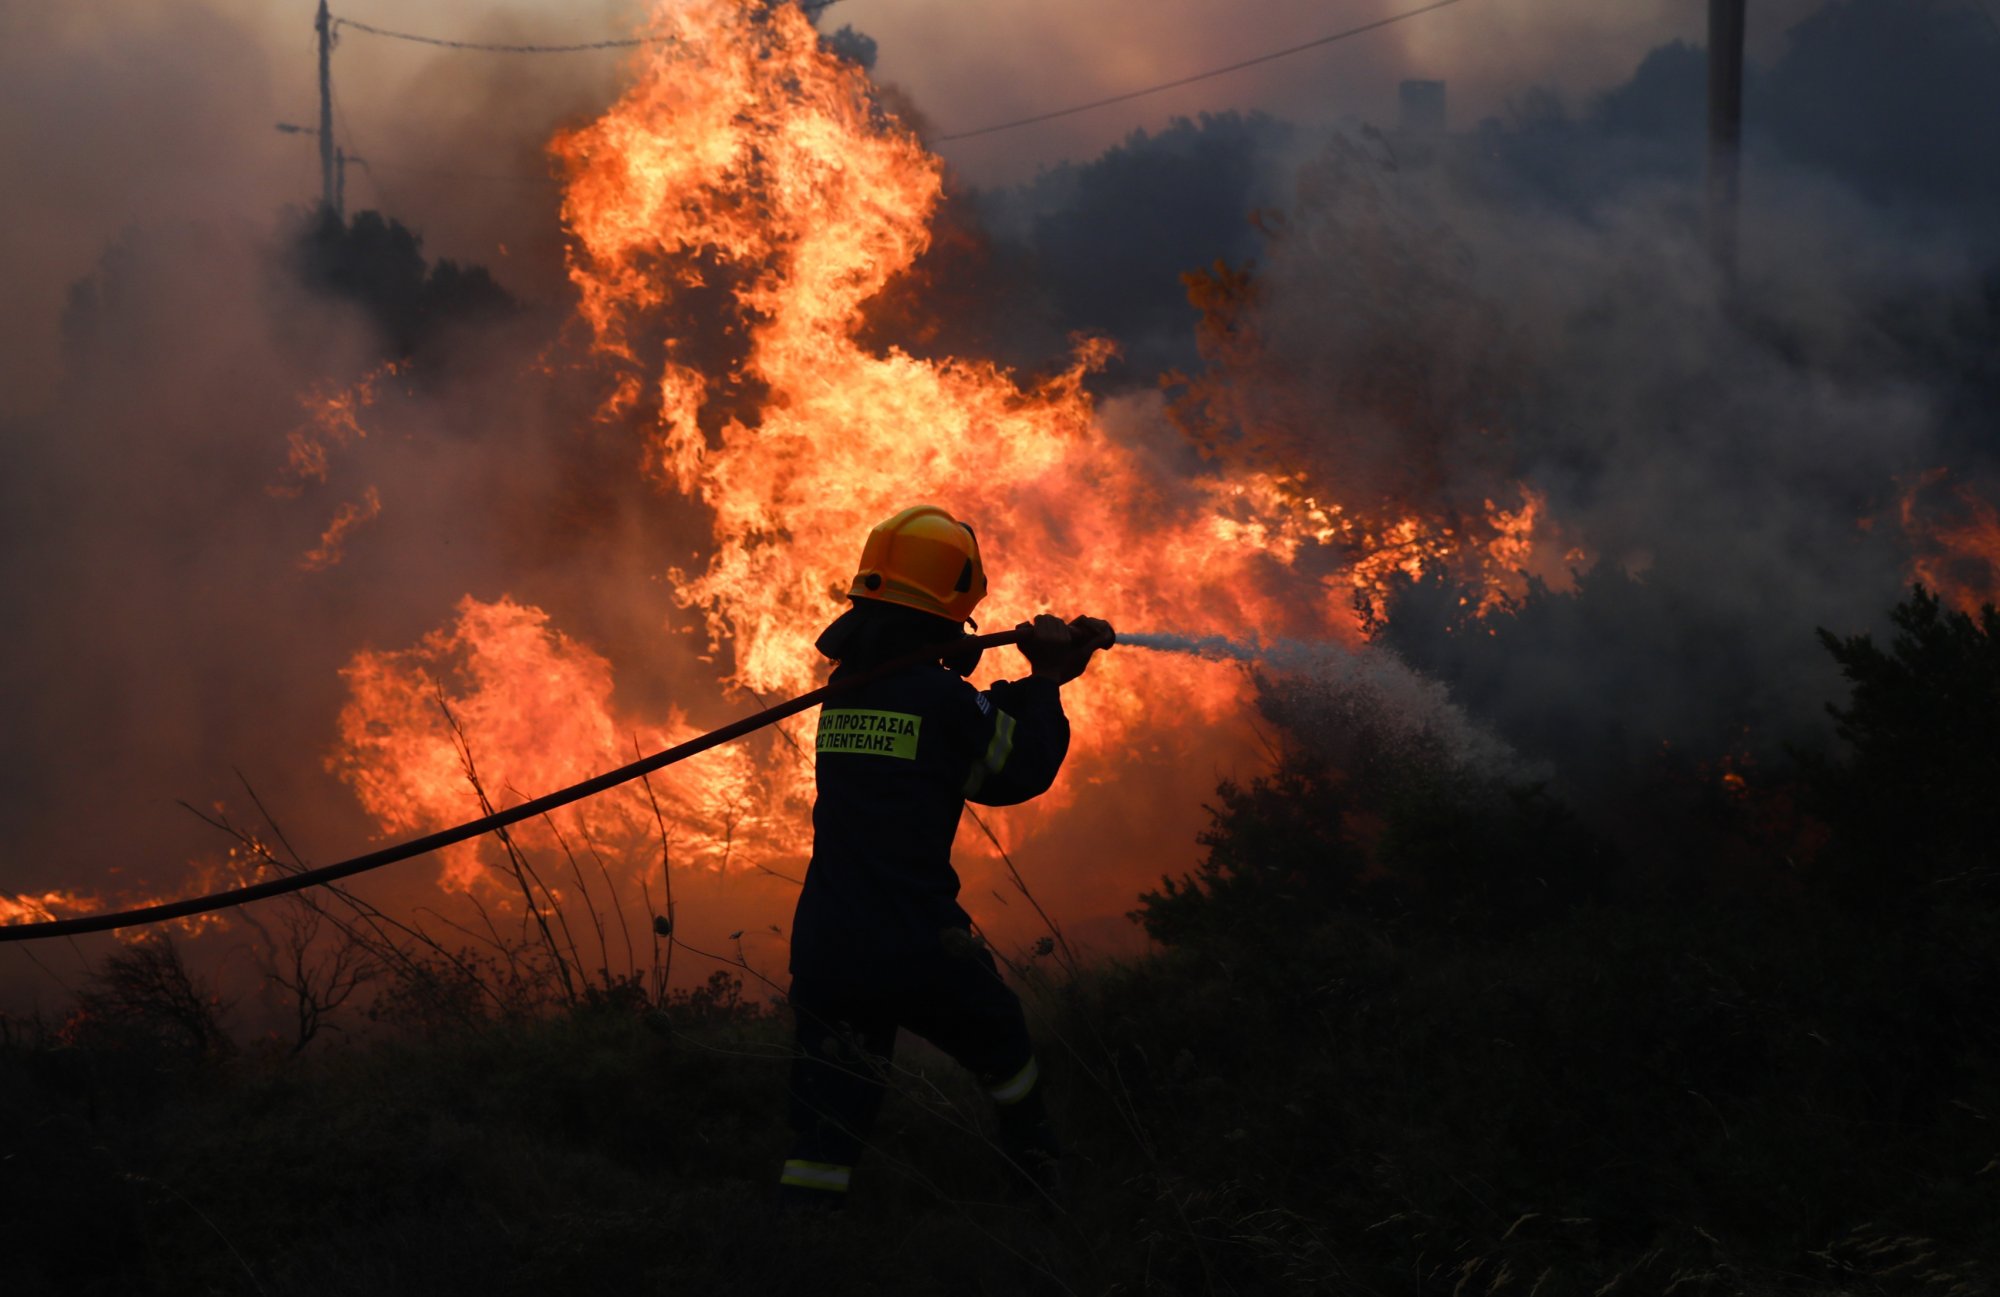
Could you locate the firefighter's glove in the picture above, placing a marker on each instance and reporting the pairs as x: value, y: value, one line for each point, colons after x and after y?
x: 1060, y: 652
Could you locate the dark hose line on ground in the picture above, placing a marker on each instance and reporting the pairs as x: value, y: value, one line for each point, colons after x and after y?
x: 485, y: 824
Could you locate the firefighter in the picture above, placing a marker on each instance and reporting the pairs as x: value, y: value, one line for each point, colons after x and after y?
x: 879, y: 940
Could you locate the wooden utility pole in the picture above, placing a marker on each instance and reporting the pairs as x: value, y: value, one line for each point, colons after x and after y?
x: 1726, y: 20
x: 329, y: 196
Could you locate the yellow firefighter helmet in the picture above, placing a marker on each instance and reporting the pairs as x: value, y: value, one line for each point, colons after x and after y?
x: 923, y: 558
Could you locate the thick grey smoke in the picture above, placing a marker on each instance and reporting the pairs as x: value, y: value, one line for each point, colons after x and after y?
x: 1106, y: 240
x: 1725, y: 452
x: 118, y: 116
x: 186, y: 613
x: 1439, y: 319
x: 110, y: 119
x: 1733, y: 461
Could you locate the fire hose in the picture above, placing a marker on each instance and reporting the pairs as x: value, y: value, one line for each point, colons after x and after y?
x: 499, y: 819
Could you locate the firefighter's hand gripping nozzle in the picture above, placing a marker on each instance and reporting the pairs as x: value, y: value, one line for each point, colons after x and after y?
x: 1059, y: 651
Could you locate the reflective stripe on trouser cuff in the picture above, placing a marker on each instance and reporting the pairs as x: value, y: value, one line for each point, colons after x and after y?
x: 997, y: 752
x: 816, y: 1175
x: 1015, y: 1090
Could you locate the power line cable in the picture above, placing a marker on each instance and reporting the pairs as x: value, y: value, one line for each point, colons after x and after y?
x: 808, y: 6
x: 814, y: 6
x: 492, y: 48
x: 523, y: 179
x: 1274, y: 55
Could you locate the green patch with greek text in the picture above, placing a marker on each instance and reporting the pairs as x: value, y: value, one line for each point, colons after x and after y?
x: 853, y: 729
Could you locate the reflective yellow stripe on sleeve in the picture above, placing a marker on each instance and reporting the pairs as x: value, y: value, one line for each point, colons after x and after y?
x: 1016, y: 1089
x: 997, y: 753
x: 816, y: 1175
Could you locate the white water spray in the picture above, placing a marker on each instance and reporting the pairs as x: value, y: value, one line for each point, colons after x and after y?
x: 1281, y: 654
x: 1366, y: 688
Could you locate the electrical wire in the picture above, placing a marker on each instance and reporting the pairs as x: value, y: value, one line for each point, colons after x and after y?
x: 814, y: 6
x: 628, y: 42
x: 492, y: 48
x: 1274, y: 55
x: 523, y: 179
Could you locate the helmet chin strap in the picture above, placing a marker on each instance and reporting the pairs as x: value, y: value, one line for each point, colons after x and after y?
x: 965, y: 660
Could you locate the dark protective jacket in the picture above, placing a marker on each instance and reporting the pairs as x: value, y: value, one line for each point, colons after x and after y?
x: 897, y: 759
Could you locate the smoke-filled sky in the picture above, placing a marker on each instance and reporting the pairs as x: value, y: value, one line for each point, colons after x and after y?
x: 115, y: 113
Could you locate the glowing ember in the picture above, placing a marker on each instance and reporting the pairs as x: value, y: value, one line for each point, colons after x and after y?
x: 334, y: 540
x: 333, y: 420
x: 1954, y: 534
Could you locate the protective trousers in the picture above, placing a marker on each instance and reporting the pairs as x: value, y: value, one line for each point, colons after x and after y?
x: 846, y: 1033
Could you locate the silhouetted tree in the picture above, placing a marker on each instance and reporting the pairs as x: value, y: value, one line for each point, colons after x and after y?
x: 143, y: 997
x: 1916, y: 805
x: 1278, y: 858
x: 378, y: 263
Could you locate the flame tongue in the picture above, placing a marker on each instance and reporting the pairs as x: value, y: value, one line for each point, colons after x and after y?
x: 744, y: 141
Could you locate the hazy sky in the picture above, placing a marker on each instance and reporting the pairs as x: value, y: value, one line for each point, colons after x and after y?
x: 116, y: 113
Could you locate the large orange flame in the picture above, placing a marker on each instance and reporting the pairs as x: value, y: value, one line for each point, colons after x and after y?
x: 746, y: 198
x: 503, y: 697
x: 25, y: 907
x: 746, y: 146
